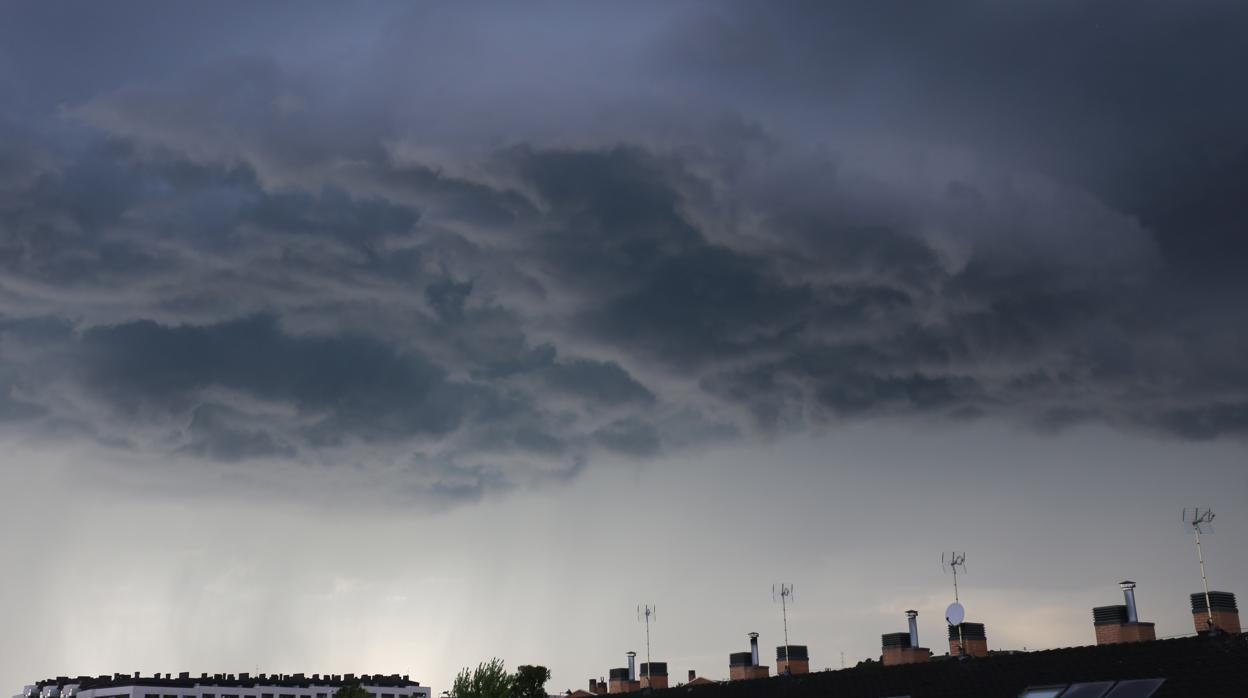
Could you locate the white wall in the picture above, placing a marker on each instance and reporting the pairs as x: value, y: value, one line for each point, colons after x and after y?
x: 207, y: 686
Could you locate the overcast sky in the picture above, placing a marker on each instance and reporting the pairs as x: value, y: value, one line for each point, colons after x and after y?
x: 393, y: 337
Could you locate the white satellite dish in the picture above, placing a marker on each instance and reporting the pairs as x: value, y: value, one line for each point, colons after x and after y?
x: 955, y: 613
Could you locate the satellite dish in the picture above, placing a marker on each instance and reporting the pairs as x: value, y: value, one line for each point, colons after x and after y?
x: 955, y: 613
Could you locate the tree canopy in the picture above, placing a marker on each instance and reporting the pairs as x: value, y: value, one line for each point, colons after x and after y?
x: 529, y: 681
x: 488, y: 680
x: 491, y: 680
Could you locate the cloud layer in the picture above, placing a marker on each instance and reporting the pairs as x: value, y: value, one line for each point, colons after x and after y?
x: 490, y: 267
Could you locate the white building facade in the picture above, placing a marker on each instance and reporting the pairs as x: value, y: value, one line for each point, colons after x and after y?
x: 224, y: 686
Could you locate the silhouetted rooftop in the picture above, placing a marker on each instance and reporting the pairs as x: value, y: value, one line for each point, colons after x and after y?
x: 1193, y: 666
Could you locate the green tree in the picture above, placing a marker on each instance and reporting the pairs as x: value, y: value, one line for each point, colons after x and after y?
x: 488, y: 680
x: 352, y: 691
x: 529, y: 681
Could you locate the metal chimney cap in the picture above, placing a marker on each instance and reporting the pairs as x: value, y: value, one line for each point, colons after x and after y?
x: 753, y: 636
x: 1126, y: 584
x: 632, y: 653
x: 912, y: 613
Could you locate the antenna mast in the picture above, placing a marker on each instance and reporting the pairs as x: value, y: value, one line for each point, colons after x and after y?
x: 785, y: 594
x: 646, y: 612
x: 1202, y: 522
x: 951, y: 562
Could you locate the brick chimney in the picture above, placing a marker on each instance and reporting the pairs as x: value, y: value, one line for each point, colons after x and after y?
x: 902, y: 648
x: 1224, y: 616
x: 744, y: 665
x: 692, y: 674
x: 971, y: 635
x: 654, y: 674
x: 792, y: 660
x: 1114, y: 624
x: 619, y: 681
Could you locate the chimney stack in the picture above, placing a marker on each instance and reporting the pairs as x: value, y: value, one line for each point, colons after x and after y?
x: 654, y: 674
x: 620, y: 681
x: 744, y: 665
x: 902, y: 648
x: 971, y: 635
x: 632, y: 666
x: 1222, y: 608
x: 692, y: 674
x: 792, y: 660
x: 1114, y: 624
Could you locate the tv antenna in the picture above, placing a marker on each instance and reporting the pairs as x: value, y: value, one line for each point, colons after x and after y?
x: 1201, y: 521
x: 646, y: 612
x: 955, y: 614
x: 785, y: 595
x: 950, y: 562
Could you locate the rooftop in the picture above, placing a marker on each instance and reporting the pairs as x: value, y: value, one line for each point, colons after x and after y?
x: 1191, y: 666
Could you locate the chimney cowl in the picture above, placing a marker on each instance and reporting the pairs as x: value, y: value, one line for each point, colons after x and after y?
x: 1128, y: 595
x: 895, y: 640
x: 968, y: 630
x: 1219, y: 600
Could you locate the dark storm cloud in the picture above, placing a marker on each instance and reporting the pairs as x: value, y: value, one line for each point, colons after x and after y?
x: 220, y: 433
x: 658, y: 283
x: 359, y: 385
x: 1067, y: 75
x: 629, y: 437
x: 447, y: 298
x: 495, y: 264
x: 602, y: 382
